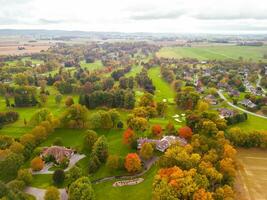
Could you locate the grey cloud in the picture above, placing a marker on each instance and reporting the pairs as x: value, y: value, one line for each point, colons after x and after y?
x: 8, y: 21
x: 158, y: 15
x: 49, y: 21
x: 234, y: 26
x: 231, y: 16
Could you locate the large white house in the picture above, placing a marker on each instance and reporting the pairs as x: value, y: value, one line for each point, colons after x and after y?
x: 162, y: 144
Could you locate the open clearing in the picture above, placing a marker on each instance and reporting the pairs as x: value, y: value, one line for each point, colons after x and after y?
x: 253, y: 172
x: 214, y: 52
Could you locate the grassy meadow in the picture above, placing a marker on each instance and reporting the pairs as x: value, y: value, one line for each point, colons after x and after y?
x: 214, y: 52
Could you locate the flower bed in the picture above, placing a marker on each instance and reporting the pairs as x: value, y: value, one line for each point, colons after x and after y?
x: 128, y: 182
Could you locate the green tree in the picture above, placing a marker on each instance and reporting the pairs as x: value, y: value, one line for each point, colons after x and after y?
x: 100, y: 149
x: 187, y: 99
x: 138, y: 123
x: 81, y: 189
x: 146, y: 100
x: 89, y: 140
x: 25, y: 175
x: 74, y: 117
x: 146, y: 151
x: 162, y: 108
x: 113, y: 162
x: 9, y: 165
x: 73, y: 174
x: 58, y: 176
x: 52, y: 193
x: 69, y: 101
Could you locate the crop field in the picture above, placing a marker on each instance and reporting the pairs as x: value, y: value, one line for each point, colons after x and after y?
x: 253, y: 172
x: 214, y: 52
x: 13, y: 49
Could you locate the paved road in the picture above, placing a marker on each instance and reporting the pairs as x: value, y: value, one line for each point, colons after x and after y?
x: 236, y: 107
x: 40, y: 193
x: 259, y: 83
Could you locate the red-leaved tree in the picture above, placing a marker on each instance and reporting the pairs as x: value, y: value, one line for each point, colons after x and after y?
x: 129, y: 136
x: 156, y: 130
x: 185, y: 132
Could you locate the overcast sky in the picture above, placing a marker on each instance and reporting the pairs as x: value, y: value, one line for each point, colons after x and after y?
x: 215, y: 16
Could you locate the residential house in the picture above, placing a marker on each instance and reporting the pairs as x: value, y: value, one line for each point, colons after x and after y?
x: 226, y: 113
x: 58, y: 152
x: 248, y: 103
x: 162, y: 144
x: 211, y: 99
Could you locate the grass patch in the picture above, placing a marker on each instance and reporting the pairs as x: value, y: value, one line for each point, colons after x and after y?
x: 140, y: 191
x: 214, y: 52
x: 91, y: 66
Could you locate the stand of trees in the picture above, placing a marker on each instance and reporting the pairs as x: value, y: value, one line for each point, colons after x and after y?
x: 145, y: 82
x: 247, y: 139
x: 8, y: 117
x: 113, y: 99
x: 203, y: 169
x: 237, y: 119
x: 187, y: 98
x: 25, y: 96
x: 117, y: 74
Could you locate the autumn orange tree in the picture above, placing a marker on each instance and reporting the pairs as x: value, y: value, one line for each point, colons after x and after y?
x: 129, y: 137
x: 156, y: 130
x: 37, y: 164
x: 132, y: 163
x: 175, y: 183
x: 185, y: 132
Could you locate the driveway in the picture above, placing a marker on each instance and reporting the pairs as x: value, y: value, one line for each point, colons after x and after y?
x: 40, y: 193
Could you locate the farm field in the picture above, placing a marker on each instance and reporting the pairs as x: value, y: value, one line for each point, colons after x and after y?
x: 13, y: 49
x: 214, y: 52
x: 253, y: 172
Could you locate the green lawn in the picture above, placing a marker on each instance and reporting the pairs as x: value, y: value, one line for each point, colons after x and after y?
x: 142, y: 191
x: 18, y: 128
x: 253, y: 123
x: 214, y: 52
x: 42, y: 181
x: 91, y: 66
x: 34, y: 61
x: 70, y: 137
x: 135, y: 70
x: 164, y: 91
